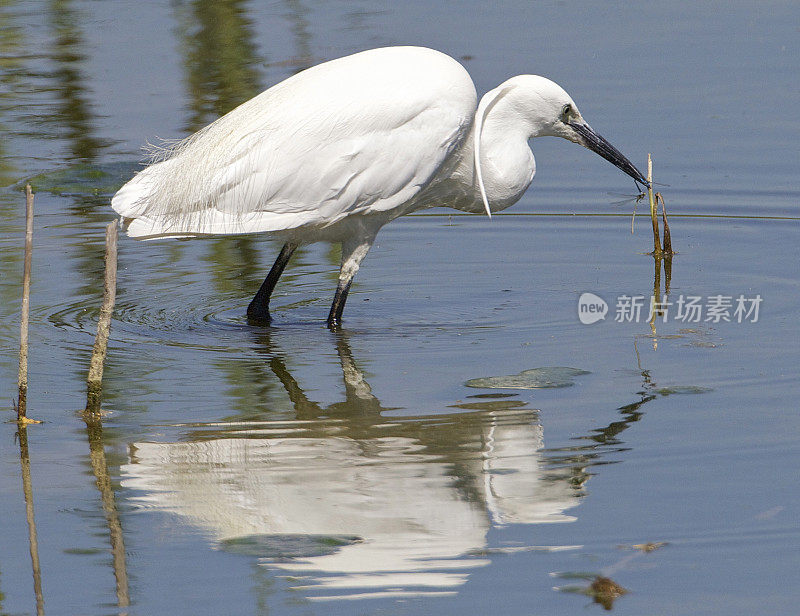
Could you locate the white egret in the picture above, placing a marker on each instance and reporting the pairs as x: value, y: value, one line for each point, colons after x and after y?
x: 335, y: 152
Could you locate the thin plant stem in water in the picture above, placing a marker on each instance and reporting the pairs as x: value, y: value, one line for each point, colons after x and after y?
x: 22, y: 380
x: 667, y: 236
x: 95, y: 379
x: 653, y: 208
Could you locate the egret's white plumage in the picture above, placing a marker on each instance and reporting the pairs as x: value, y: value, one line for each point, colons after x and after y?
x: 356, y: 135
x: 338, y: 150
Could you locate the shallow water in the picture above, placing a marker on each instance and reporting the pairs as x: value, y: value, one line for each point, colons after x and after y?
x: 435, y: 456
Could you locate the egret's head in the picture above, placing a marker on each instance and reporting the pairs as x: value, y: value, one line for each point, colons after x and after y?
x: 550, y: 111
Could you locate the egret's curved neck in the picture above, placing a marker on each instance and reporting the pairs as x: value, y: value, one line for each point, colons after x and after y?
x: 507, y: 163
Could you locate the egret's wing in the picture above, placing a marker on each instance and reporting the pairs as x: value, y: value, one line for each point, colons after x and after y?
x: 363, y: 133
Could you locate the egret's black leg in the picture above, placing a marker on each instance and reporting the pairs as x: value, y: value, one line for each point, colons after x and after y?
x: 337, y: 307
x: 258, y: 310
x: 354, y: 249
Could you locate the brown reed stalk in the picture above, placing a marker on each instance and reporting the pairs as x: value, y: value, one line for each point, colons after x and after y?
x: 95, y: 379
x: 653, y: 208
x: 22, y: 380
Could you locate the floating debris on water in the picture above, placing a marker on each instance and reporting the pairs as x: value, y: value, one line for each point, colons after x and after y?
x: 605, y: 591
x: 650, y: 546
x: 602, y: 590
x: 682, y: 389
x: 492, y: 395
x: 535, y: 378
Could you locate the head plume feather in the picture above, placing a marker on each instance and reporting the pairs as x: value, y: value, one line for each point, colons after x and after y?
x: 487, y: 102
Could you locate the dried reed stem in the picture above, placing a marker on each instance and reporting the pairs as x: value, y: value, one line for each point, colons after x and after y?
x: 653, y: 208
x: 22, y: 380
x: 667, y: 237
x: 95, y: 380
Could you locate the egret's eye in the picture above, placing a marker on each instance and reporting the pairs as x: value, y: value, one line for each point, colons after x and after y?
x: 566, y: 111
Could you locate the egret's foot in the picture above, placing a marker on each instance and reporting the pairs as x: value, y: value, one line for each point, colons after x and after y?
x: 258, y: 314
x: 258, y: 310
x: 334, y: 321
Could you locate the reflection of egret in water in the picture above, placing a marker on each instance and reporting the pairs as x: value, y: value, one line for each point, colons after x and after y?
x: 351, y: 501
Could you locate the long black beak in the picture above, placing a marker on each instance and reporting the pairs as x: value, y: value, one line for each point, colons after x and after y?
x: 598, y: 144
